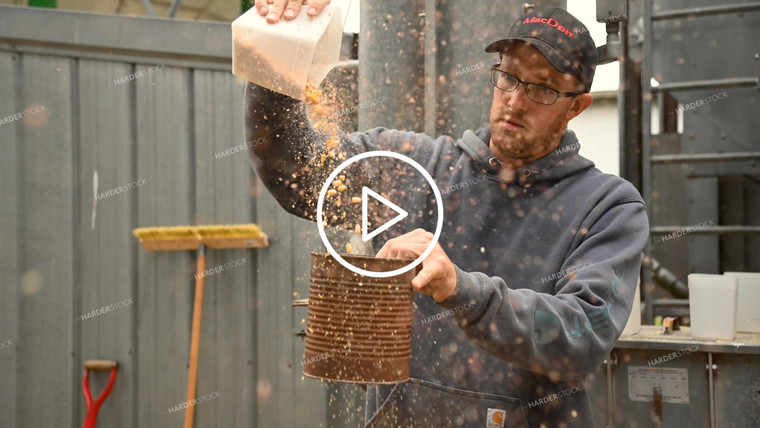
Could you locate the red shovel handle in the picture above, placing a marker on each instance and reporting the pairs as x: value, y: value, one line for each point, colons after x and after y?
x: 93, y: 408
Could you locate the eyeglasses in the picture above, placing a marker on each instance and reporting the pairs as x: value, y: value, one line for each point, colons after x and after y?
x: 536, y: 92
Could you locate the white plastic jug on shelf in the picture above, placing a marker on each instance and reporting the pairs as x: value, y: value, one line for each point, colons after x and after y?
x: 284, y: 56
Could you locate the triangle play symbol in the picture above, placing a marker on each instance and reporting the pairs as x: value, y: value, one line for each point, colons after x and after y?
x: 366, y: 191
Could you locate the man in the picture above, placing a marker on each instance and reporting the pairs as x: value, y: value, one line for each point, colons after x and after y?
x: 533, y: 277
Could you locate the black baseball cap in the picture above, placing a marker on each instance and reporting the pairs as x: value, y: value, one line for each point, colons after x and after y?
x: 560, y: 37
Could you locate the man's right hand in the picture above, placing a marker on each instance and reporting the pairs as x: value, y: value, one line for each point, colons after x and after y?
x: 276, y: 9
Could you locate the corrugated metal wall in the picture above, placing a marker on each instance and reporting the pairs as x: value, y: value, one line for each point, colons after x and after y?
x: 162, y: 131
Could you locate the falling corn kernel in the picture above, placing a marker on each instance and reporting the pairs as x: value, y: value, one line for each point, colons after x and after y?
x: 337, y: 183
x: 341, y: 188
x: 348, y: 247
x: 357, y: 229
x: 332, y: 192
x: 335, y: 218
x: 322, y: 157
x: 356, y: 200
x: 342, y: 177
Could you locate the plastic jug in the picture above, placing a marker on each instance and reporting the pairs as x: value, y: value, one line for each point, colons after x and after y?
x: 633, y: 326
x: 284, y: 56
x: 712, y: 306
x: 747, y: 301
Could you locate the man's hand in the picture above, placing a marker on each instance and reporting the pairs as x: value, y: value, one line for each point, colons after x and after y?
x: 276, y: 9
x: 438, y: 277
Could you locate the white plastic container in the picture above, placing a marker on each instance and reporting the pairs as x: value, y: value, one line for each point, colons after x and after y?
x: 633, y: 326
x: 284, y: 56
x: 712, y: 306
x: 747, y: 301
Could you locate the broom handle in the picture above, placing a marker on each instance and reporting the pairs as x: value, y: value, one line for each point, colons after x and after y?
x: 192, y: 375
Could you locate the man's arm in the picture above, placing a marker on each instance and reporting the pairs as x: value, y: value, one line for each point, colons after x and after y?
x: 285, y: 153
x: 564, y: 335
x: 568, y: 334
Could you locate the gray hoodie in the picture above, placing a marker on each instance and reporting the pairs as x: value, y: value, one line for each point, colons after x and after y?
x: 547, y: 262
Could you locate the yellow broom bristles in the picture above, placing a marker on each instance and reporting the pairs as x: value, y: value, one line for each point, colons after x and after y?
x: 216, y: 236
x: 199, y: 232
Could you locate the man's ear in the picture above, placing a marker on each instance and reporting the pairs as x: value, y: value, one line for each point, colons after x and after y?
x: 580, y: 103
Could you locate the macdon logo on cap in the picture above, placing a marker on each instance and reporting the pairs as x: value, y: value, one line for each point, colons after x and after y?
x: 550, y: 22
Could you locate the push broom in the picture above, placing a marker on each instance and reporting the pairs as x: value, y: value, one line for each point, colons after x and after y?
x: 199, y: 238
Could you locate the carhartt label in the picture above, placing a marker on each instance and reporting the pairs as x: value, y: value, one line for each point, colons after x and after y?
x: 495, y: 418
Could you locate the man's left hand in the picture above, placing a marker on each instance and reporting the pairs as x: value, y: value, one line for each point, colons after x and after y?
x: 438, y: 277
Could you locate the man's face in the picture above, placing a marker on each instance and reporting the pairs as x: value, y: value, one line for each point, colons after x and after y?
x: 523, y: 130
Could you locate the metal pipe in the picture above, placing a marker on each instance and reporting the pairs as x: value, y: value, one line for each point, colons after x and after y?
x: 646, y: 146
x: 671, y: 303
x: 149, y: 7
x: 610, y: 392
x: 174, y: 8
x: 384, y: 30
x: 704, y: 157
x: 629, y: 113
x: 665, y: 278
x: 730, y: 82
x: 705, y: 10
x: 707, y: 230
x: 710, y: 367
x: 431, y: 58
x: 657, y: 406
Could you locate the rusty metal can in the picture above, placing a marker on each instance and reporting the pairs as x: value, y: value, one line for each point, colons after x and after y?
x: 359, y: 328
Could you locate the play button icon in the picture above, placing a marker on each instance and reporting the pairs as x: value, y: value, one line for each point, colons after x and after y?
x: 366, y: 191
x: 370, y: 196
